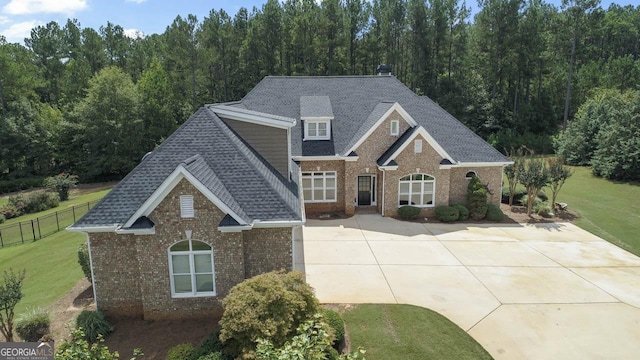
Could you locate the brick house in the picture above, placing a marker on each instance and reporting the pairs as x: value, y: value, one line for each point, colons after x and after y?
x: 225, y: 196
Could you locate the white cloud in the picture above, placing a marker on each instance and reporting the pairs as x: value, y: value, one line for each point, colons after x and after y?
x: 136, y: 1
x: 133, y: 33
x: 25, y: 7
x: 4, y: 20
x: 18, y: 31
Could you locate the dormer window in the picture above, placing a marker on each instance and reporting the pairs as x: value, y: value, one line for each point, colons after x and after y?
x: 317, y: 130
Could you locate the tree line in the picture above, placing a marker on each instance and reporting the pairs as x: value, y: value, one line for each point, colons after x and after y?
x: 93, y: 101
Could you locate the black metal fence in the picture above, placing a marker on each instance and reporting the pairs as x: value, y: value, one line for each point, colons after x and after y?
x: 36, y: 229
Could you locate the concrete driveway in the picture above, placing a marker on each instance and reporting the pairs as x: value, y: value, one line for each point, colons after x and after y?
x: 549, y: 291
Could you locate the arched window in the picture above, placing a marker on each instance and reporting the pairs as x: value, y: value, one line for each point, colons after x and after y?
x: 191, y: 269
x: 417, y: 190
x: 470, y: 174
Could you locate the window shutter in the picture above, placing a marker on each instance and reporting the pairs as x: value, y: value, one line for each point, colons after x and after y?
x: 186, y: 206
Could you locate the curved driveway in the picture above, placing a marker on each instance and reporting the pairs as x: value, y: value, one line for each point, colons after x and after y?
x: 549, y: 291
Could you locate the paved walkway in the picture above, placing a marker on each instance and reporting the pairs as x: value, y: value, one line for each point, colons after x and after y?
x: 549, y: 291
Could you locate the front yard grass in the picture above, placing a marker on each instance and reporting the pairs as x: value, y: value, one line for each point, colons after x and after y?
x: 608, y: 209
x: 407, y: 332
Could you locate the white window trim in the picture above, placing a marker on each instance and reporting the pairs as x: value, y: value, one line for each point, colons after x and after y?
x: 186, y: 201
x: 417, y: 146
x: 317, y: 137
x: 422, y: 193
x: 325, y: 175
x: 397, y: 128
x: 191, y: 253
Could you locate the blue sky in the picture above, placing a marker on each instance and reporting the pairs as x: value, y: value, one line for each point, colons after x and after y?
x: 18, y: 17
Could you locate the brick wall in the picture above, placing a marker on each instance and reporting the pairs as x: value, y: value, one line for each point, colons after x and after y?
x: 132, y: 272
x: 491, y: 176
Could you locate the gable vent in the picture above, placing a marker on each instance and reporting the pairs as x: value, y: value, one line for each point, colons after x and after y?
x: 186, y: 206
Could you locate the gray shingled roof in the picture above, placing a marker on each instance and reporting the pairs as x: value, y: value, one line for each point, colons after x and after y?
x: 315, y: 107
x: 222, y: 161
x: 354, y: 101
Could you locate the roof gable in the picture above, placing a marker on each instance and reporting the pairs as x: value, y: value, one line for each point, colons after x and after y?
x: 405, y: 140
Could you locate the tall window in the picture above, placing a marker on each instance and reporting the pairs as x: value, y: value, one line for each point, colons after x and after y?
x: 417, y: 190
x: 395, y: 127
x: 191, y: 269
x: 319, y: 186
x: 317, y: 130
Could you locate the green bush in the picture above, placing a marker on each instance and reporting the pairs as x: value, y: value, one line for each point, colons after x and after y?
x: 524, y: 201
x: 10, y: 211
x: 517, y: 195
x: 278, y: 302
x: 447, y: 213
x: 84, y: 261
x: 2, y: 218
x: 408, y: 212
x: 213, y: 356
x: 34, y: 202
x: 61, y: 183
x: 211, y: 344
x: 494, y: 213
x: 181, y: 352
x: 335, y: 322
x: 543, y: 209
x: 463, y: 212
x: 33, y: 325
x: 79, y: 348
x: 93, y: 323
x: 7, y: 186
x: 477, y: 198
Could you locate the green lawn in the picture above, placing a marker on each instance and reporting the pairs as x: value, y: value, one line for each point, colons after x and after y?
x: 608, y: 209
x: 406, y: 332
x: 51, y: 264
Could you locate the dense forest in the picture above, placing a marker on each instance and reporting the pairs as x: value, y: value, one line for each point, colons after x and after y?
x: 93, y: 101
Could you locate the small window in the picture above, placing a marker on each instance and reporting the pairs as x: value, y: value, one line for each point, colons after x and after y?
x: 417, y: 146
x: 186, y: 206
x: 317, y: 130
x: 191, y: 269
x: 395, y: 127
x: 470, y: 174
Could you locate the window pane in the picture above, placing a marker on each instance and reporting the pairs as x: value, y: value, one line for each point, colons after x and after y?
x: 428, y: 187
x: 317, y: 183
x: 307, y: 194
x: 204, y: 283
x: 182, y: 283
x: 202, y: 263
x: 180, y: 264
x: 404, y: 188
x: 416, y: 187
x: 415, y: 199
x: 318, y: 194
x: 416, y: 176
x: 408, y: 177
x: 331, y: 183
x: 404, y: 200
x: 306, y: 183
x: 306, y: 174
x: 428, y: 199
x: 330, y: 195
x: 427, y: 177
x: 312, y: 129
x: 181, y: 246
x: 199, y: 245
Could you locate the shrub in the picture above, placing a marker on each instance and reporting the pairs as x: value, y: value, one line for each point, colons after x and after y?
x: 335, y: 322
x: 212, y: 356
x: 494, y: 213
x: 93, y: 323
x: 477, y: 197
x: 181, y: 352
x: 447, y: 213
x: 10, y: 296
x: 2, y: 218
x: 517, y: 196
x: 543, y: 209
x: 279, y: 303
x: 40, y: 201
x: 9, y: 211
x: 61, y: 183
x: 408, y: 212
x: 84, y: 261
x: 33, y: 325
x: 79, y: 348
x: 211, y: 344
x: 463, y: 212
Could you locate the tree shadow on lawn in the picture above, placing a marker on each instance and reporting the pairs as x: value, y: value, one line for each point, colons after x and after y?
x: 156, y: 337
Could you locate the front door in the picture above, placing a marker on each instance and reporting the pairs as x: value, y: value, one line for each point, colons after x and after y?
x: 364, y: 190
